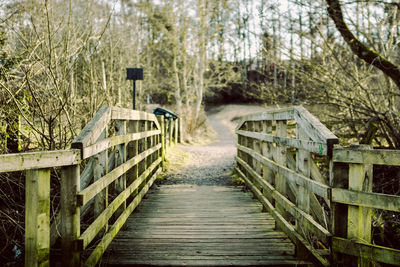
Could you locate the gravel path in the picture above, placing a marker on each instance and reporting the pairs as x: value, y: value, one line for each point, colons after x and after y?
x: 210, y: 164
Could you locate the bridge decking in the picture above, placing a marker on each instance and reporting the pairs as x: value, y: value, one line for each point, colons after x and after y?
x: 191, y: 225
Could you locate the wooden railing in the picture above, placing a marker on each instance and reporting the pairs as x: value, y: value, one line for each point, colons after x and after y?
x: 354, y: 203
x: 123, y: 151
x: 319, y: 195
x: 278, y: 153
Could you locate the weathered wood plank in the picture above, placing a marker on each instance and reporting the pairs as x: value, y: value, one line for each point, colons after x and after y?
x: 109, y: 236
x: 120, y: 158
x: 314, y: 128
x: 338, y: 178
x: 115, y: 140
x: 39, y: 160
x: 304, y: 219
x: 37, y: 218
x: 314, y: 186
x: 359, y: 220
x: 214, y: 262
x: 314, y: 147
x: 70, y: 215
x: 366, y: 199
x: 267, y: 151
x: 91, y: 132
x: 118, y: 113
x: 375, y: 156
x: 205, y: 221
x: 280, y: 158
x: 92, y: 190
x: 103, y: 218
x: 367, y: 251
x: 100, y: 169
x: 286, y: 227
x: 269, y: 115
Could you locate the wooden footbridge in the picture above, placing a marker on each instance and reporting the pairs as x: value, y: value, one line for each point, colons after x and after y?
x: 309, y: 202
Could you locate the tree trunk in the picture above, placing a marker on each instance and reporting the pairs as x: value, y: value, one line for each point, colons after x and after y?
x: 201, y: 5
x: 365, y: 53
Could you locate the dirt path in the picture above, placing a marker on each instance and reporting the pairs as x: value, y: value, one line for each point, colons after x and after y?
x: 212, y: 164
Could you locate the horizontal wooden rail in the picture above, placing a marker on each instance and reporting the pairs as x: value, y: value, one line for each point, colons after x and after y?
x: 367, y: 251
x: 314, y: 186
x: 376, y: 156
x: 305, y: 219
x: 39, y: 160
x: 91, y: 232
x: 270, y: 115
x: 89, y: 192
x: 315, y: 147
x: 97, y: 253
x: 366, y: 199
x: 115, y: 140
x: 284, y: 225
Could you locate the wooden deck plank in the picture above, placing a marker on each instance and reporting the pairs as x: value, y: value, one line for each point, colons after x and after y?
x: 186, y: 225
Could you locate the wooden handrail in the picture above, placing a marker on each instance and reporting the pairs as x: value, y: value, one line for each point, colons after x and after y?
x: 136, y: 158
x: 264, y: 162
x: 287, y: 185
x: 354, y: 200
x: 38, y: 160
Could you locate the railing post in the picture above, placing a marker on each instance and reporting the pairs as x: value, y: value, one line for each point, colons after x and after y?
x: 133, y: 150
x: 176, y: 131
x: 360, y: 218
x: 70, y: 215
x: 160, y: 119
x: 257, y: 148
x: 351, y: 222
x: 268, y: 174
x: 100, y: 169
x: 142, y: 148
x: 120, y: 158
x: 180, y: 130
x: 171, y: 129
x: 37, y: 218
x: 303, y: 195
x: 338, y: 178
x: 280, y: 158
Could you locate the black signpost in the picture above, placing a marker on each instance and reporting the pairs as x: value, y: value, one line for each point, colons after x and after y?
x: 134, y: 74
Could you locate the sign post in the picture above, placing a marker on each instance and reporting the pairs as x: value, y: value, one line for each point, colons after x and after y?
x: 134, y: 74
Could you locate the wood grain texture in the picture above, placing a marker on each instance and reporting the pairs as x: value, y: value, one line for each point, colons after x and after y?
x: 37, y: 218
x: 38, y: 160
x: 359, y: 155
x: 188, y: 225
x: 269, y: 115
x: 314, y: 186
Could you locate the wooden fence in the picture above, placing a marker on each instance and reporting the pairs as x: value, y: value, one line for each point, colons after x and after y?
x: 288, y: 159
x: 123, y: 151
x: 354, y: 203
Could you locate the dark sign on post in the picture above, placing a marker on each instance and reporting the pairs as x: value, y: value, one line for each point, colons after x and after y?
x: 134, y: 74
